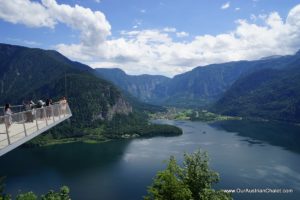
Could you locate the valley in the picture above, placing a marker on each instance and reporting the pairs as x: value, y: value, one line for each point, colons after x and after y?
x: 151, y: 100
x: 251, y: 102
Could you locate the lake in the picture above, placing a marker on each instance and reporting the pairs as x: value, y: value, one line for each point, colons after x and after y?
x: 246, y: 154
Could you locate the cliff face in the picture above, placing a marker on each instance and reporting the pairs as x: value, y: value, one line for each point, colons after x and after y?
x: 139, y: 86
x: 121, y: 106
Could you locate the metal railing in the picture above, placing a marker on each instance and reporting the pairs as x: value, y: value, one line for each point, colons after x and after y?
x: 22, y: 124
x: 14, y: 108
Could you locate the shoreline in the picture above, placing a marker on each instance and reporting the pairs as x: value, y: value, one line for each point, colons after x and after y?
x: 162, y: 130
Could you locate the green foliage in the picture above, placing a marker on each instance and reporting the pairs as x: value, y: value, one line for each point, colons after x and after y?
x: 1, y: 185
x: 266, y: 94
x: 168, y: 185
x: 38, y: 74
x: 189, y: 114
x: 27, y: 196
x: 63, y: 194
x: 3, y: 196
x: 192, y: 181
x: 197, y: 174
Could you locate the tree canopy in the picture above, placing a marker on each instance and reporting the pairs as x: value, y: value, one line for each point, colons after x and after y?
x: 193, y: 181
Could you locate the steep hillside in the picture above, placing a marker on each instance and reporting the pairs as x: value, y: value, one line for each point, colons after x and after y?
x: 204, y: 85
x: 200, y: 87
x: 269, y: 94
x: 99, y: 109
x: 140, y: 86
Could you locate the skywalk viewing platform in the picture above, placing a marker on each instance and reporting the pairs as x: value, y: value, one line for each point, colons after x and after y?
x: 27, y: 125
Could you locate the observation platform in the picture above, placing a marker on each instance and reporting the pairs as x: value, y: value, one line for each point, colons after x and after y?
x: 27, y: 125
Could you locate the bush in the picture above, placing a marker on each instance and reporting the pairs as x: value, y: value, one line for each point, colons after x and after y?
x: 192, y: 181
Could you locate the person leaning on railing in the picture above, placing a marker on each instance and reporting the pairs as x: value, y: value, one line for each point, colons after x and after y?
x: 48, y: 108
x: 63, y: 105
x: 29, y: 114
x: 8, y: 116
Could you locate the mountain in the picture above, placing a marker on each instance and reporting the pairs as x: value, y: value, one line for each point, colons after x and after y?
x: 200, y: 87
x: 27, y: 73
x: 140, y: 86
x: 100, y: 110
x: 204, y: 85
x: 268, y: 93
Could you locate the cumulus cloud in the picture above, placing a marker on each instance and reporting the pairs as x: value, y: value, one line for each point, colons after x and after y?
x: 93, y: 26
x: 169, y: 29
x: 182, y: 34
x: 20, y: 12
x: 154, y: 51
x: 225, y: 5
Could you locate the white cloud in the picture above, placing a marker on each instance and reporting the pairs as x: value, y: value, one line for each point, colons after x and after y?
x: 182, y: 34
x: 93, y: 26
x: 154, y: 51
x: 20, y: 12
x: 169, y: 29
x: 225, y: 5
x: 143, y: 11
x: 237, y: 9
x: 137, y: 23
x: 253, y: 17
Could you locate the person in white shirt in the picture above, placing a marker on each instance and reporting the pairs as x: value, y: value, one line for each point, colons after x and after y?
x: 8, y: 116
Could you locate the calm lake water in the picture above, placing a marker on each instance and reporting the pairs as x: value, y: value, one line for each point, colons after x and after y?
x: 246, y: 154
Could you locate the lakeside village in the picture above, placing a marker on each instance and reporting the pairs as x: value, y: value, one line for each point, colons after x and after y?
x: 190, y: 114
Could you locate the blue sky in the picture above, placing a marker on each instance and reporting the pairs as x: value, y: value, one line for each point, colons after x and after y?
x: 157, y: 37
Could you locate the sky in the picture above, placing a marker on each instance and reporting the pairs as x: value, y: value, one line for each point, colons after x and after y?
x: 164, y: 37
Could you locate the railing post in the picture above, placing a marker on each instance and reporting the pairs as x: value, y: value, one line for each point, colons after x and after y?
x: 8, y: 139
x: 36, y: 122
x: 45, y: 114
x: 59, y: 111
x: 24, y: 123
x: 52, y: 111
x: 65, y: 109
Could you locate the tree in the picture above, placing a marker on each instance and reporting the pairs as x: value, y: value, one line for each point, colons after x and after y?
x: 193, y: 181
x: 3, y: 196
x: 63, y: 194
x: 167, y: 184
x: 197, y: 174
x: 27, y: 196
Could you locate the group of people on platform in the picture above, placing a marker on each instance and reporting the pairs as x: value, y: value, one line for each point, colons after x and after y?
x: 31, y: 106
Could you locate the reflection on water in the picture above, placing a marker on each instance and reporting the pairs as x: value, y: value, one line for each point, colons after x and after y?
x: 246, y: 154
x: 279, y: 134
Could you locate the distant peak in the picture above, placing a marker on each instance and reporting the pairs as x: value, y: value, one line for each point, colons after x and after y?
x: 270, y: 57
x: 111, y: 70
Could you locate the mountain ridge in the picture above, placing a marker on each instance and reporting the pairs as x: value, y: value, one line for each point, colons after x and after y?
x: 272, y: 94
x: 100, y: 110
x: 203, y: 85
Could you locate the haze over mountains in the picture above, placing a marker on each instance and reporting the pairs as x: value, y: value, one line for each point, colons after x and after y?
x: 141, y: 86
x: 266, y: 88
x: 99, y: 108
x: 267, y: 93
